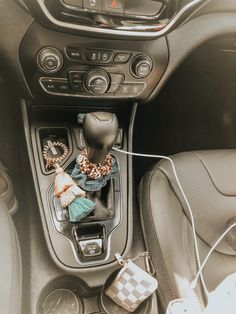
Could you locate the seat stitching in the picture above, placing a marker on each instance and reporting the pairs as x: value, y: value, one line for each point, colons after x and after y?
x: 208, y: 172
x: 163, y: 266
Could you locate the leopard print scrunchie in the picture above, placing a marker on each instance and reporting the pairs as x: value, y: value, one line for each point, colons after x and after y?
x: 94, y: 171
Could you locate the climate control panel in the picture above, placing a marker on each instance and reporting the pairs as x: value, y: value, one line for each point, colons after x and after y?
x: 95, y: 80
x: 61, y: 66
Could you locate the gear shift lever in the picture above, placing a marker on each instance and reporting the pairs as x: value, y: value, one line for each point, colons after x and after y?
x: 100, y: 132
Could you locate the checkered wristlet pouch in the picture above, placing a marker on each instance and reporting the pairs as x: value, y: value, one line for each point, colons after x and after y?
x: 132, y: 285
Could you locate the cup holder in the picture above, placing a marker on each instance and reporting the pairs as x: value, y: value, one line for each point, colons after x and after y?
x: 61, y: 297
x: 110, y: 307
x: 61, y: 301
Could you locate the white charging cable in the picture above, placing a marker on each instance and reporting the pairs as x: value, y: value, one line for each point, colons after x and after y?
x: 194, y: 282
x: 200, y: 266
x: 188, y: 206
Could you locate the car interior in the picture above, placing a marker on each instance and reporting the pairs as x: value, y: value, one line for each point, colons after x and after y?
x: 118, y: 156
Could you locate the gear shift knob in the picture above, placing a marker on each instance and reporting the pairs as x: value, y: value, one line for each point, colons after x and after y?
x: 100, y: 132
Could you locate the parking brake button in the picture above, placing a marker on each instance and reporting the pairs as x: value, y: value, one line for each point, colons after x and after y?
x: 91, y: 247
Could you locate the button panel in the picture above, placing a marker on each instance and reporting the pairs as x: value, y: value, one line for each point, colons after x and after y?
x: 91, y: 72
x: 99, y: 56
x: 65, y: 87
x: 55, y: 86
x: 96, y: 56
x: 75, y: 80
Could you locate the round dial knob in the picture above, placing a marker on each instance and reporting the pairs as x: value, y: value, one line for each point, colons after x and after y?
x: 141, y: 66
x: 96, y: 81
x: 50, y: 60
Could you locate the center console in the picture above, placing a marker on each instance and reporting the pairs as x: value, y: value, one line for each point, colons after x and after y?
x: 79, y: 57
x: 82, y: 74
x: 69, y: 75
x: 98, y: 237
x: 83, y: 253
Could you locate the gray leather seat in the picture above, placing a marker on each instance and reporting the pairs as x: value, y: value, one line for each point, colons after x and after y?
x: 209, y: 181
x: 10, y: 258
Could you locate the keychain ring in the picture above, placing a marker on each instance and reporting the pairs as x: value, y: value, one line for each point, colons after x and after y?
x: 51, y: 161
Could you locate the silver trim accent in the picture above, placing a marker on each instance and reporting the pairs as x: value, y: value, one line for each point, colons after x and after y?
x: 136, y: 31
x: 146, y: 17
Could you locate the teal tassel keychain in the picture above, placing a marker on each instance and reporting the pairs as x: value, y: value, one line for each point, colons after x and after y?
x: 80, y: 208
x: 70, y: 194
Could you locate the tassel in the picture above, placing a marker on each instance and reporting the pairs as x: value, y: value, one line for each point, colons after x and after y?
x: 62, y: 181
x: 80, y: 208
x: 68, y: 196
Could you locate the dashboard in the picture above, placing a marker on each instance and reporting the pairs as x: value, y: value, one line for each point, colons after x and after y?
x: 112, y: 17
x: 61, y: 59
x: 73, y: 66
x: 110, y: 50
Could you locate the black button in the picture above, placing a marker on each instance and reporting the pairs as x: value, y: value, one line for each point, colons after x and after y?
x: 75, y: 53
x: 105, y: 56
x: 116, y: 78
x: 124, y: 90
x: 143, y: 69
x: 117, y: 6
x: 50, y: 63
x: 121, y: 57
x: 102, y: 56
x: 56, y: 85
x: 78, y: 87
x: 76, y: 76
x: 93, y: 4
x: 76, y: 3
x: 93, y: 55
x: 63, y: 87
x: 49, y: 84
x: 91, y: 247
x: 143, y: 8
x: 136, y: 89
x: 113, y: 88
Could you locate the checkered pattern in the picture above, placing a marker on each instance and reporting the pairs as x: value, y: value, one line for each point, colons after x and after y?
x: 131, y: 287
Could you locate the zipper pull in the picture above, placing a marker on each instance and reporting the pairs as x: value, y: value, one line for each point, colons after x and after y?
x: 119, y: 259
x: 149, y: 265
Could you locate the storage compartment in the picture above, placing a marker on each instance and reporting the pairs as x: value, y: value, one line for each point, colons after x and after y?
x: 47, y: 135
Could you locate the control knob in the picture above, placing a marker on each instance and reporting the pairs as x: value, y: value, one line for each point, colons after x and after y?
x: 96, y: 81
x: 141, y: 66
x: 49, y: 60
